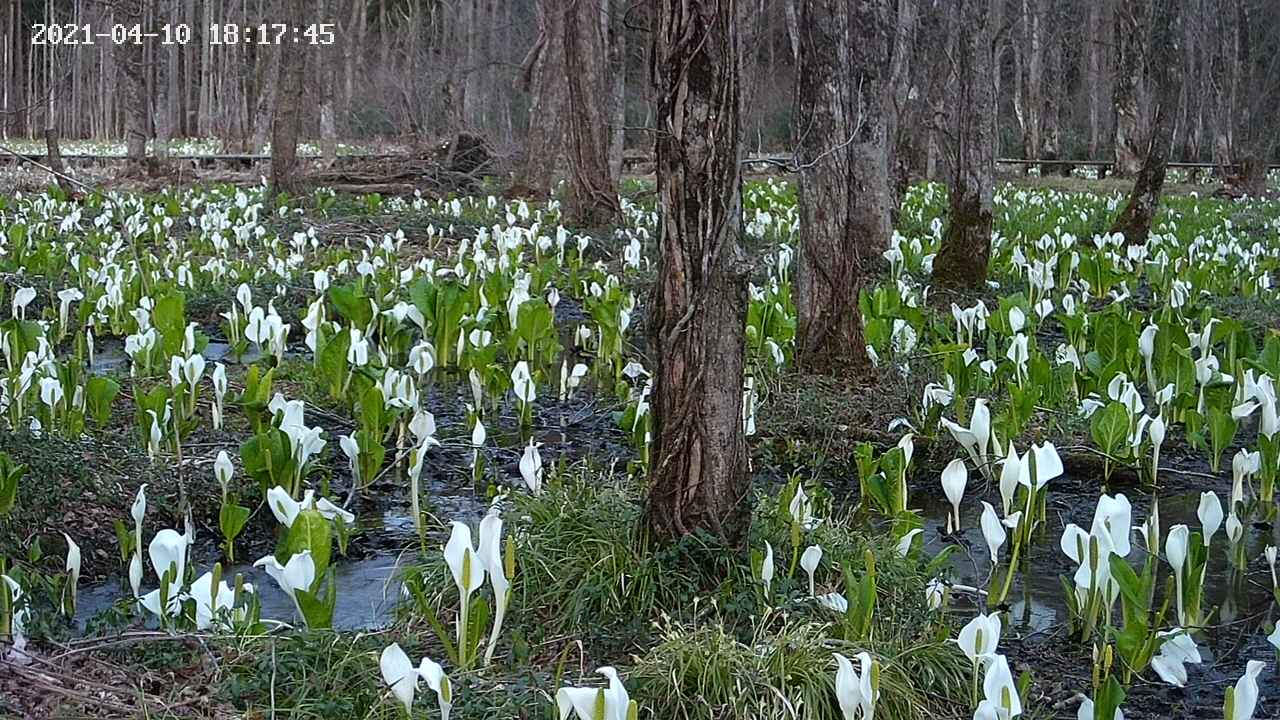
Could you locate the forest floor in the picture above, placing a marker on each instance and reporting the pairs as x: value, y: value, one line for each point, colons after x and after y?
x: 598, y: 598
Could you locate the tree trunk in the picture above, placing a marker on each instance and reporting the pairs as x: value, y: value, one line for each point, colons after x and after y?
x: 618, y: 84
x: 698, y: 473
x: 594, y: 200
x: 1029, y: 101
x: 1134, y: 221
x: 899, y: 96
x: 842, y: 148
x: 1051, y: 95
x: 326, y: 78
x: 1130, y: 29
x: 1093, y: 73
x: 286, y: 121
x: 166, y: 106
x: 966, y: 243
x: 136, y: 103
x: 269, y: 69
x: 543, y: 76
x: 54, y: 159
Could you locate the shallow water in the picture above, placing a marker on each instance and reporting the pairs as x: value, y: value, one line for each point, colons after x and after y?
x: 1238, y: 603
x: 367, y: 595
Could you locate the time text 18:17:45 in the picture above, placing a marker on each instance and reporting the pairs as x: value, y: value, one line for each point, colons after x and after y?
x: 183, y: 34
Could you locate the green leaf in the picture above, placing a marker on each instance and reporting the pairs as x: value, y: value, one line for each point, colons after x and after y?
x: 99, y: 393
x: 311, y: 531
x: 10, y: 474
x: 316, y: 611
x: 231, y: 520
x: 1222, y: 430
x: 1109, y: 427
x: 351, y: 305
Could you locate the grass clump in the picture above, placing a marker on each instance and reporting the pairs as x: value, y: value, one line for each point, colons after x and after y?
x: 702, y: 638
x: 582, y: 569
x: 783, y: 668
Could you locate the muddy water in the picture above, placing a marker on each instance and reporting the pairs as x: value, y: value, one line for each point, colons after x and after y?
x: 385, y: 537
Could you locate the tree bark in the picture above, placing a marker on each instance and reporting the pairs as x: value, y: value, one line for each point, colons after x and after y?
x: 1134, y: 220
x: 326, y: 77
x: 842, y: 148
x: 698, y: 473
x: 896, y: 107
x: 966, y: 242
x: 136, y: 103
x: 1093, y: 74
x: 1254, y: 120
x: 268, y: 69
x: 287, y: 119
x: 543, y: 77
x: 1028, y: 102
x: 594, y: 200
x: 1130, y: 59
x: 617, y: 35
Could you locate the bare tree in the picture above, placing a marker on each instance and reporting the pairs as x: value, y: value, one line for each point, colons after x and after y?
x: 286, y: 120
x: 542, y: 74
x: 136, y: 104
x: 966, y: 243
x: 842, y: 151
x: 698, y: 473
x: 1254, y: 133
x: 594, y: 202
x: 1134, y: 221
x: 1131, y: 21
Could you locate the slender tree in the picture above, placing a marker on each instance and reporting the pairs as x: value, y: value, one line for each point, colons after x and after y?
x: 1134, y: 221
x: 966, y: 242
x: 842, y: 150
x: 594, y: 200
x: 698, y: 473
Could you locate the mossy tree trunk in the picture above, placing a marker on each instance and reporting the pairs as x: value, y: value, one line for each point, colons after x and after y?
x: 842, y: 149
x: 698, y: 469
x: 594, y: 198
x: 1134, y: 220
x: 966, y: 243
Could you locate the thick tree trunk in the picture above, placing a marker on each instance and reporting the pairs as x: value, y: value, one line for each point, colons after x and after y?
x: 543, y: 76
x: 966, y: 243
x: 698, y: 472
x: 618, y: 84
x: 594, y: 198
x: 1134, y: 221
x: 842, y: 148
x: 286, y: 122
x: 134, y: 83
x: 1130, y: 31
